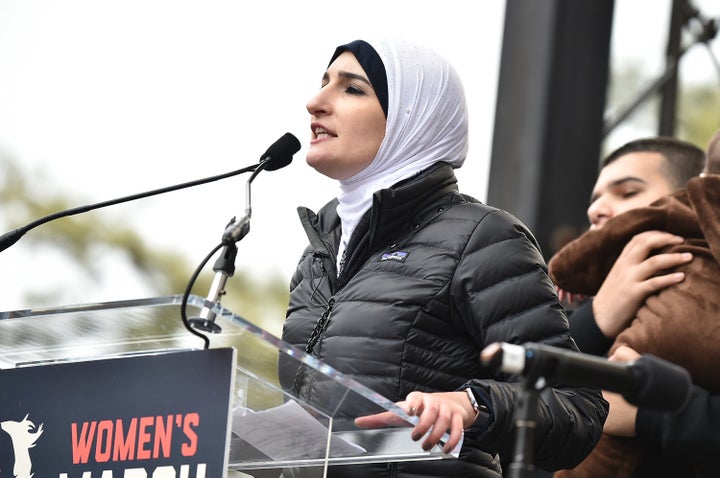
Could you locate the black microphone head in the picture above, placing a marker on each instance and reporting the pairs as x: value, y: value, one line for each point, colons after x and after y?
x: 663, y: 385
x: 280, y: 153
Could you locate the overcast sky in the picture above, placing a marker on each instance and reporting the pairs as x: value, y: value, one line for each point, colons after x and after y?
x: 103, y: 99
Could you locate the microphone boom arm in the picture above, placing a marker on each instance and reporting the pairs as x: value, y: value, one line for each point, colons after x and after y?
x: 11, y: 237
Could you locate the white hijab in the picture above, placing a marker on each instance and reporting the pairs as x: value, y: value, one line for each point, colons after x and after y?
x: 426, y: 123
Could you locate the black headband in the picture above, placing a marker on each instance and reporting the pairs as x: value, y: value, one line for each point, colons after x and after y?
x: 373, y: 66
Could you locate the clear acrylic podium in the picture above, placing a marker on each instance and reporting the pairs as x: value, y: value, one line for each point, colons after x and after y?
x: 274, y: 433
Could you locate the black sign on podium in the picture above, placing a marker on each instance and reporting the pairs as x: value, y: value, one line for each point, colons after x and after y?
x: 162, y: 414
x: 121, y: 389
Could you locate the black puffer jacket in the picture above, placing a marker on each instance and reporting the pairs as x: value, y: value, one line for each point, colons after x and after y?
x: 431, y: 278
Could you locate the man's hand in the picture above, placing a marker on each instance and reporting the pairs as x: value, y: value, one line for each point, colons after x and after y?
x: 622, y: 415
x: 437, y: 413
x: 634, y: 276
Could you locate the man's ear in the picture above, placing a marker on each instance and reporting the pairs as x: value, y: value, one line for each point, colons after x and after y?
x: 712, y: 166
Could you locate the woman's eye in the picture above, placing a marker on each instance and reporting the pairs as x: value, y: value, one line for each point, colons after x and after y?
x: 354, y: 90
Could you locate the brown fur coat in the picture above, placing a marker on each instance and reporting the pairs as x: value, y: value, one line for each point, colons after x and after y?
x: 680, y: 323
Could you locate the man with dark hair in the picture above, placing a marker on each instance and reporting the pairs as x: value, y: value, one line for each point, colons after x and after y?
x: 682, y: 160
x: 640, y: 172
x: 652, y: 262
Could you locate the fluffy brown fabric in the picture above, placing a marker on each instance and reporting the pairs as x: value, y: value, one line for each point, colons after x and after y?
x: 680, y: 323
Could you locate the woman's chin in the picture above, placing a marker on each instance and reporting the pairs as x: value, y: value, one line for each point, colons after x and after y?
x: 321, y: 164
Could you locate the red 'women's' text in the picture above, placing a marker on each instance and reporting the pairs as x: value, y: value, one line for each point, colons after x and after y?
x: 140, y: 438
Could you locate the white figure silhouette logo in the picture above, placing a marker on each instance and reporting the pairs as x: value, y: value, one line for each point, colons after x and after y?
x: 23, y: 438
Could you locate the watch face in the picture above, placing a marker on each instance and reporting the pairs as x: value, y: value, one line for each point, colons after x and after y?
x: 473, y: 400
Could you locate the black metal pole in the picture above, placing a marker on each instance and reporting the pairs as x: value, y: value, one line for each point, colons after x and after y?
x: 668, y: 102
x: 525, y: 423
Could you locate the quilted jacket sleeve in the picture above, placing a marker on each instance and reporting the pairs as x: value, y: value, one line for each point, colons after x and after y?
x: 502, y: 293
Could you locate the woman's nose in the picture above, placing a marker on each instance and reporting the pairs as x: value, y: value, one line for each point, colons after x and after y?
x: 318, y: 103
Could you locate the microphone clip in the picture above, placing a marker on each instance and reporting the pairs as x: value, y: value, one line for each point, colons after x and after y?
x: 236, y: 230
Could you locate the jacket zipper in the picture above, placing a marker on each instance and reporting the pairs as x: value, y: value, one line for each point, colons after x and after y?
x: 317, y: 332
x: 320, y: 327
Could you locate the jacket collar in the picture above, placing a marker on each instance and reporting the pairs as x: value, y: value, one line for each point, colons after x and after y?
x: 395, y: 211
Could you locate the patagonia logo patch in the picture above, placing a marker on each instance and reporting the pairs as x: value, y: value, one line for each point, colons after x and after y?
x: 397, y: 256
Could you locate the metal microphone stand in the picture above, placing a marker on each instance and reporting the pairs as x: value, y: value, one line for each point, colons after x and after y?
x: 224, y: 266
x: 525, y: 424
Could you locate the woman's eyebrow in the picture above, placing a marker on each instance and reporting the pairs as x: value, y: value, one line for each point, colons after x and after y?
x: 347, y: 74
x: 354, y: 76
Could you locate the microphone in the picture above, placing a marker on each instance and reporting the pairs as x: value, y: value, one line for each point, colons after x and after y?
x: 648, y: 381
x: 278, y: 155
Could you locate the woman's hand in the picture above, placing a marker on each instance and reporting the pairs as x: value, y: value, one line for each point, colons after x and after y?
x: 437, y: 413
x: 634, y: 276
